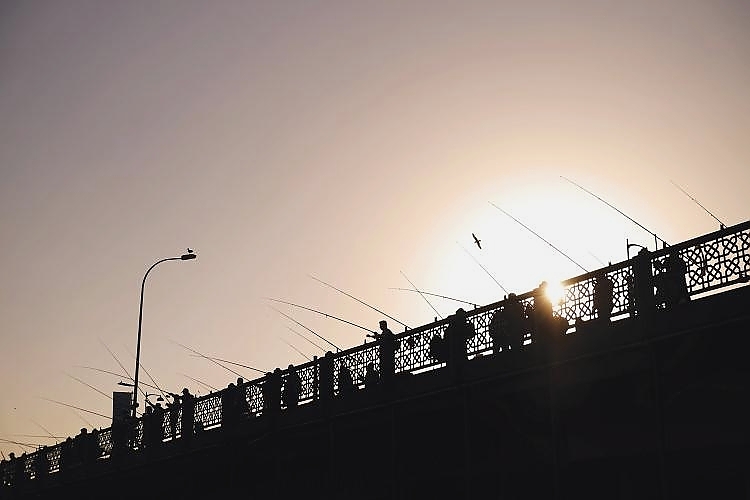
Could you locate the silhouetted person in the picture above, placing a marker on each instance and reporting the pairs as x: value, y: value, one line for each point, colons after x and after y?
x: 546, y: 325
x: 272, y: 392
x: 19, y: 469
x: 459, y: 330
x: 229, y: 406
x: 372, y: 378
x: 438, y: 351
x: 243, y: 411
x: 387, y: 352
x: 497, y: 331
x: 507, y: 325
x: 292, y: 387
x: 148, y: 426
x: 153, y: 421
x: 542, y: 312
x: 173, y: 410
x: 187, y: 422
x: 515, y: 320
x: 66, y: 451
x: 603, y: 296
x: 86, y: 446
x: 41, y: 464
x: 671, y: 288
x: 643, y: 282
x: 158, y: 424
x: 325, y: 390
x: 80, y: 446
x: 346, y: 383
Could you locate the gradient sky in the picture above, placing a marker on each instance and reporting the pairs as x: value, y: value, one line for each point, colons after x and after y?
x: 348, y: 140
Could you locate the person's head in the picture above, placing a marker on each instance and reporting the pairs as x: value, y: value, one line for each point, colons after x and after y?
x: 240, y: 381
x: 185, y: 392
x: 84, y: 431
x: 383, y: 324
x: 460, y: 312
x: 370, y: 367
x: 290, y: 367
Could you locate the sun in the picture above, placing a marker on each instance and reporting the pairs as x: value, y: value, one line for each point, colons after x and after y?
x: 555, y: 292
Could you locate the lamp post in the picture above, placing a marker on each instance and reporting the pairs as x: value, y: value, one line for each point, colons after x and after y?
x: 187, y: 256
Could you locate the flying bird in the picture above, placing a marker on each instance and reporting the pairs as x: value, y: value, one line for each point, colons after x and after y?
x: 477, y: 240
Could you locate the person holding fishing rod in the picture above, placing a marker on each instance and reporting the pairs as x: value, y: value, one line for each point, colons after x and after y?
x: 387, y: 352
x: 547, y: 326
x: 458, y: 332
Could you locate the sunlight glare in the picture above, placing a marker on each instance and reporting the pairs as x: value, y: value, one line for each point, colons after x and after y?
x: 555, y: 292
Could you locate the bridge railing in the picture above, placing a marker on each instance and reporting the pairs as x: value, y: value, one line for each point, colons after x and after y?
x: 712, y: 262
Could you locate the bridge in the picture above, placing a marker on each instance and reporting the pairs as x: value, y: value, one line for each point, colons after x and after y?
x: 638, y: 389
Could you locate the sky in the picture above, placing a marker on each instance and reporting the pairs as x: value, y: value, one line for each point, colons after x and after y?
x: 350, y: 141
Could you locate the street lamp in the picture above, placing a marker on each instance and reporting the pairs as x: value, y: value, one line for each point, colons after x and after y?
x: 187, y: 256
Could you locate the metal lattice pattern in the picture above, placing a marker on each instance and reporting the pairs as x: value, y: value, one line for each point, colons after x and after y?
x: 208, y: 410
x: 414, y: 350
x: 357, y: 362
x: 717, y: 263
x: 53, y: 458
x: 104, y: 442
x: 306, y: 374
x: 254, y: 396
x: 578, y: 301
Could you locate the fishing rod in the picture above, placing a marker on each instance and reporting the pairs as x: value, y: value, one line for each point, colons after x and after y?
x: 83, y: 419
x: 721, y: 224
x: 18, y: 443
x: 116, y: 375
x: 656, y: 238
x: 43, y: 428
x: 235, y: 363
x: 360, y: 301
x: 297, y: 350
x: 74, y: 407
x: 36, y: 436
x: 420, y: 293
x: 483, y: 268
x: 88, y: 385
x: 306, y: 328
x: 210, y: 387
x: 163, y: 394
x: 115, y: 358
x: 437, y: 295
x: 321, y: 313
x: 206, y: 357
x: 598, y: 259
x: 121, y: 365
x: 540, y: 237
x: 304, y: 337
